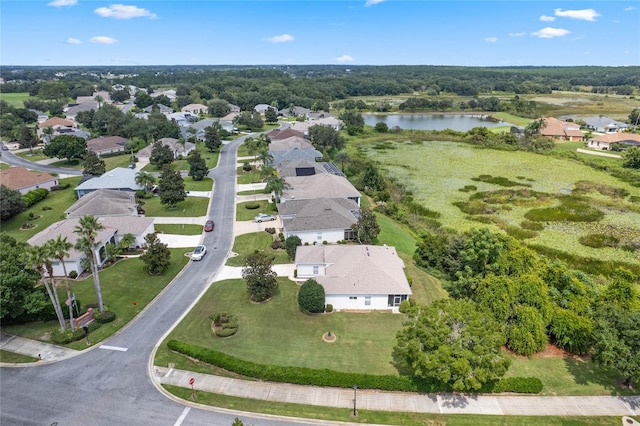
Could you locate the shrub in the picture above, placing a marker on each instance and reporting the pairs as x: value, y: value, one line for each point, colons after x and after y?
x: 246, y: 166
x: 60, y: 187
x: 518, y: 384
x: 73, y: 275
x: 571, y: 209
x: 281, y: 236
x: 46, y: 208
x: 251, y: 206
x: 277, y: 244
x: 520, y: 234
x: 291, y: 245
x: 404, y: 306
x: 468, y: 188
x: 34, y: 196
x: 62, y: 338
x: 311, y: 297
x: 225, y: 324
x: 270, y: 230
x: 105, y: 317
x: 328, y: 308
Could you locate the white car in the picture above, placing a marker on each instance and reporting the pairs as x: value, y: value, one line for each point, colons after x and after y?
x: 263, y: 217
x: 198, y: 253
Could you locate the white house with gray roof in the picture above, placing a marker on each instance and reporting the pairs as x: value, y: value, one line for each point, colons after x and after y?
x: 176, y: 147
x: 104, y: 202
x: 356, y: 277
x: 319, y: 220
x: 319, y: 186
x: 120, y: 179
x: 293, y: 154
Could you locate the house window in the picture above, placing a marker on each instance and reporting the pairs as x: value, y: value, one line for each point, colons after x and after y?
x: 396, y: 299
x: 319, y: 236
x: 353, y: 297
x: 367, y: 301
x: 316, y: 270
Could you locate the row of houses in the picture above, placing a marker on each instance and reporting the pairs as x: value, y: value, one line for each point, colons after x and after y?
x: 319, y: 206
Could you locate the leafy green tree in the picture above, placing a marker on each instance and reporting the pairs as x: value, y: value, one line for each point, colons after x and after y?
x: 160, y: 127
x: 11, y: 203
x: 145, y: 179
x: 66, y: 146
x: 631, y: 158
x: 119, y: 95
x: 171, y: 187
x: 534, y: 127
x: 20, y: 297
x: 265, y: 157
x: 371, y: 179
x: 571, y: 331
x: 366, y: 228
x: 452, y: 342
x: 311, y: 297
x: 85, y: 118
x: 108, y: 120
x: 26, y: 137
x: 218, y: 108
x: 250, y: 119
x: 143, y: 99
x: 634, y: 117
x: 93, y: 165
x: 291, y: 245
x: 526, y: 332
x: 353, y: 122
x: 197, y: 166
x: 87, y: 229
x: 381, y: 127
x: 212, y: 137
x: 271, y: 115
x: 48, y: 132
x: 161, y: 155
x: 325, y: 138
x: 261, y: 279
x: 156, y: 257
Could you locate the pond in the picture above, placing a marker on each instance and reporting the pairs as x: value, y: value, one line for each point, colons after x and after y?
x: 459, y: 122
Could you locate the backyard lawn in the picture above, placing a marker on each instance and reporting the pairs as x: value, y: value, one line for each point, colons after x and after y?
x: 192, y: 206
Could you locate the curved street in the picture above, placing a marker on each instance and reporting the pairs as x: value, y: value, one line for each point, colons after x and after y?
x: 12, y: 159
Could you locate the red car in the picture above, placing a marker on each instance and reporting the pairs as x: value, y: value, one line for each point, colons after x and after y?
x: 208, y: 226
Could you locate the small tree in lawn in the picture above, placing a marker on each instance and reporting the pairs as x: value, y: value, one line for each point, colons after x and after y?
x: 366, y: 228
x: 212, y: 137
x: 157, y: 255
x: 261, y: 279
x: 93, y: 165
x: 291, y: 245
x: 271, y: 115
x: 145, y: 179
x: 161, y: 155
x: 171, y: 187
x: 197, y: 166
x: 311, y: 297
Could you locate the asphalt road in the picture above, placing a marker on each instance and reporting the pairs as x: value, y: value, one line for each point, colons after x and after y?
x: 113, y: 387
x: 10, y: 158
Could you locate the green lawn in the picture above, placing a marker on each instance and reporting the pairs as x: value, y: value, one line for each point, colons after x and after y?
x: 514, y: 119
x: 248, y: 177
x: 247, y: 244
x: 203, y: 185
x: 12, y: 357
x: 122, y: 284
x: 117, y: 161
x: 15, y: 99
x: 179, y: 229
x: 278, y: 333
x: 36, y: 155
x: 251, y: 192
x: 4, y: 166
x: 192, y: 206
x: 243, y: 213
x: 383, y: 417
x: 210, y: 158
x: 59, y: 201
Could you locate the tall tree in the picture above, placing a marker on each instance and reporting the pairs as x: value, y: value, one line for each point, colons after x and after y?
x: 277, y: 185
x: 452, y: 342
x: 145, y: 179
x: 171, y: 187
x: 11, y: 203
x: 48, y: 133
x: 26, y: 137
x: 157, y: 255
x: 87, y: 230
x: 161, y: 155
x: 60, y: 250
x: 371, y: 179
x: 325, y: 137
x: 212, y: 137
x: 366, y: 228
x: 66, y: 146
x: 93, y: 165
x: 271, y: 115
x: 197, y: 166
x: 261, y: 279
x: 218, y: 108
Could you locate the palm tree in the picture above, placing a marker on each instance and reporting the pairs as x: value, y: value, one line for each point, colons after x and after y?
x: 534, y: 127
x: 342, y: 157
x: 265, y: 157
x: 48, y: 132
x: 145, y: 179
x: 38, y: 257
x: 87, y: 228
x: 60, y: 248
x: 99, y: 99
x: 277, y: 185
x: 252, y: 146
x: 266, y: 171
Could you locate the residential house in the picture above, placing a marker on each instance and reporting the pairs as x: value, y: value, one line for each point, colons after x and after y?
x: 21, y: 179
x: 296, y: 111
x: 262, y: 108
x: 300, y: 168
x: 57, y: 122
x: 114, y: 229
x: 234, y: 108
x: 73, y: 110
x: 119, y: 179
x: 276, y: 134
x: 293, y: 142
x: 104, y: 202
x: 42, y: 116
x: 332, y: 122
x: 171, y: 94
x: 161, y: 108
x: 107, y: 145
x: 200, y: 126
x: 356, y: 277
x: 605, y: 142
x: 195, y: 109
x: 316, y: 115
x: 562, y: 130
x: 292, y: 154
x: 183, y: 118
x: 319, y: 220
x: 319, y: 186
x: 178, y: 148
x: 604, y: 124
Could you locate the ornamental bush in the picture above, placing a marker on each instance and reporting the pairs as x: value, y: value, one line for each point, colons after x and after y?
x: 105, y: 317
x: 311, y: 297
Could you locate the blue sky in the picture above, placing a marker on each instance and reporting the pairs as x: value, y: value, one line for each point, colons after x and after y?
x: 300, y: 32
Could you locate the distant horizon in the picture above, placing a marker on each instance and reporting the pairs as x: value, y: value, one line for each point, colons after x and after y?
x: 314, y: 65
x: 486, y: 34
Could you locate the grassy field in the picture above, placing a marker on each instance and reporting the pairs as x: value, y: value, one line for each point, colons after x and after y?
x: 247, y: 244
x: 59, y: 201
x: 436, y: 171
x: 192, y: 206
x: 179, y: 229
x: 122, y: 284
x: 15, y: 99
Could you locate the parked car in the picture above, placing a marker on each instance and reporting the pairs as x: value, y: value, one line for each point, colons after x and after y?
x: 198, y: 253
x: 208, y: 226
x: 263, y: 217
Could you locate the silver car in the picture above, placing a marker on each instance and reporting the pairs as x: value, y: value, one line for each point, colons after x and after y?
x: 263, y: 217
x: 198, y: 253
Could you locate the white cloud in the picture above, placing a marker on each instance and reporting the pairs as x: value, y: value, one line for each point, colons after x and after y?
x: 282, y: 38
x: 522, y: 34
x: 490, y: 39
x: 344, y: 58
x: 59, y: 3
x: 372, y: 2
x: 583, y: 14
x: 549, y: 32
x: 121, y: 11
x: 103, y: 40
x: 546, y: 18
x: 629, y: 8
x: 72, y: 40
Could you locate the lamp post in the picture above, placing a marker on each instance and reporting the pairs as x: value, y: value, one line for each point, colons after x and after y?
x: 355, y: 394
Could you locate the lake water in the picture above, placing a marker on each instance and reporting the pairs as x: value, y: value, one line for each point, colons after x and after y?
x: 459, y: 122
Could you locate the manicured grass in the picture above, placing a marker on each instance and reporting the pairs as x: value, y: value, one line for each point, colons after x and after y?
x: 278, y: 333
x: 35, y: 155
x: 251, y: 192
x: 569, y: 376
x: 394, y: 234
x: 122, y: 284
x: 203, y: 185
x: 4, y: 166
x: 192, y: 206
x: 12, y: 357
x: 243, y: 213
x: 247, y: 244
x: 117, y: 161
x: 248, y: 177
x: 210, y: 158
x: 59, y: 201
x: 15, y: 99
x: 73, y: 164
x: 518, y: 121
x: 179, y: 229
x: 381, y: 417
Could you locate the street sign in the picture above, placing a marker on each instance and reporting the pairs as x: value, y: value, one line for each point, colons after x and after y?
x: 192, y: 381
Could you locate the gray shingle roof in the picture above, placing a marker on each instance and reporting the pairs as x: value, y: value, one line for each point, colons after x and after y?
x: 117, y: 178
x: 104, y: 202
x: 319, y: 186
x: 317, y: 214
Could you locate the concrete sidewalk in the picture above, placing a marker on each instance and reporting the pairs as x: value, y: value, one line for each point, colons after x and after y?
x: 34, y: 348
x: 405, y: 401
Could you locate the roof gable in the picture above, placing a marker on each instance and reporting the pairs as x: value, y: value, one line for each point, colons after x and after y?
x: 20, y: 177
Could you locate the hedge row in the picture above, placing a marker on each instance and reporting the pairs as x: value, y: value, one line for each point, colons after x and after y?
x: 35, y: 196
x: 326, y: 377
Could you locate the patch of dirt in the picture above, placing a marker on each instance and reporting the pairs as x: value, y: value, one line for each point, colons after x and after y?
x: 329, y: 337
x: 550, y: 351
